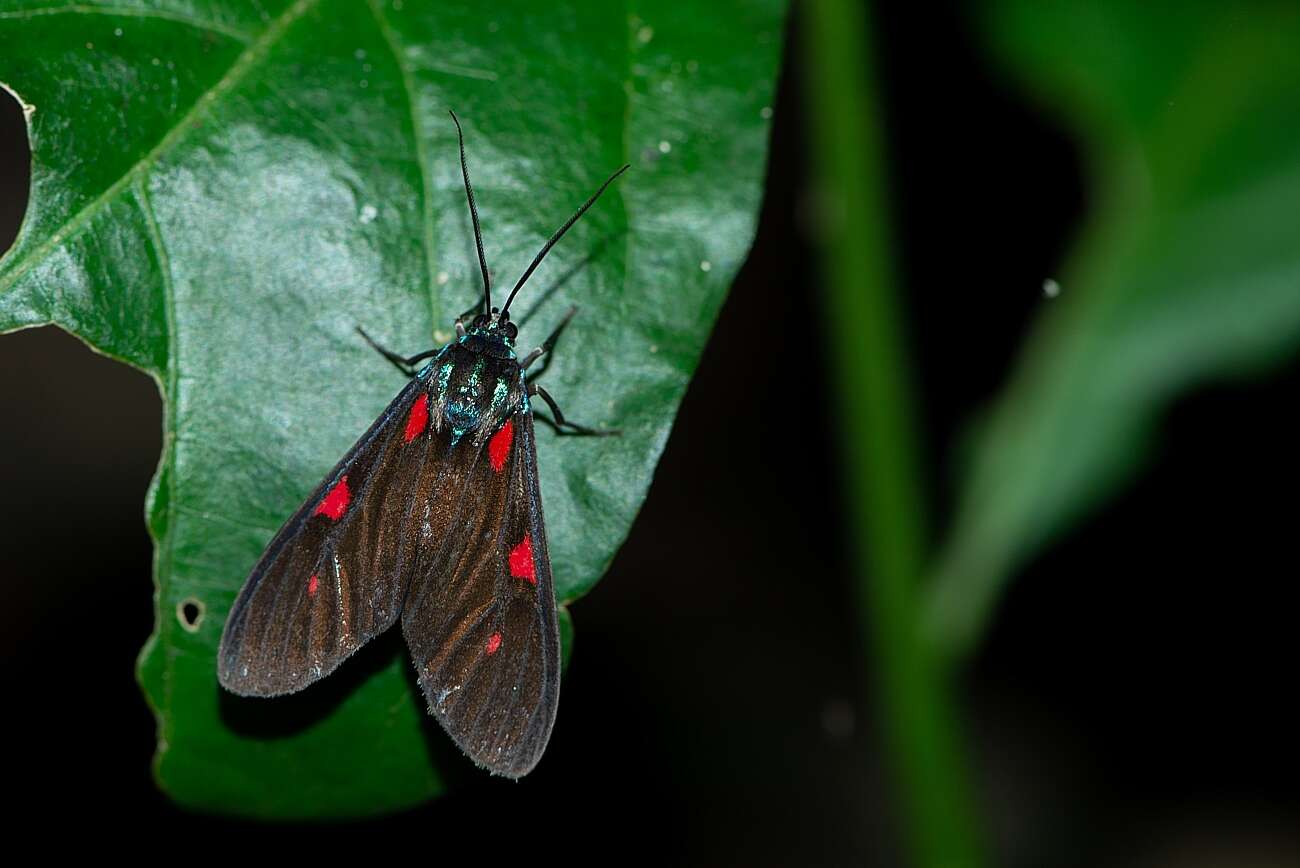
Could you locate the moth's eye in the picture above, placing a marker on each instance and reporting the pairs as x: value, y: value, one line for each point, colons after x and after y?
x: 511, y: 330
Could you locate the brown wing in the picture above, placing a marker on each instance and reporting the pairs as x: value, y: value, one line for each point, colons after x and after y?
x: 480, y: 615
x: 336, y: 574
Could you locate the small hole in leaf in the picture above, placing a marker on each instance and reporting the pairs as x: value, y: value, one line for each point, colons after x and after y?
x: 190, y: 613
x: 15, y: 168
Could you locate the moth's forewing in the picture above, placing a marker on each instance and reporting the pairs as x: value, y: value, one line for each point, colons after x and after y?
x: 336, y: 574
x: 480, y: 619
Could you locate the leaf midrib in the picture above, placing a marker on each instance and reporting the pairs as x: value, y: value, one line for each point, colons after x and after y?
x: 421, y: 156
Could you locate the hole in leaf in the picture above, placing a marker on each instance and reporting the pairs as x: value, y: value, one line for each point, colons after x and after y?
x: 15, y: 168
x: 190, y: 613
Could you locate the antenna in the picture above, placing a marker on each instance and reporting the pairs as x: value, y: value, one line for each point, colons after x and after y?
x: 560, y: 233
x: 473, y: 213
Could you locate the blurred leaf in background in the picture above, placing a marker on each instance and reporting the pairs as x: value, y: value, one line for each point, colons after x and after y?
x: 1188, y: 269
x: 222, y: 191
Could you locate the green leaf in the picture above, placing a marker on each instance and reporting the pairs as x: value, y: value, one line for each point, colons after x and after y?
x: 221, y: 194
x: 1188, y: 271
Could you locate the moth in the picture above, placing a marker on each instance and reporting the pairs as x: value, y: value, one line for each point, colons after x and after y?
x: 433, y: 517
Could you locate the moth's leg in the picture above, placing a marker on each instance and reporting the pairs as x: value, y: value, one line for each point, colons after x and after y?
x: 549, y: 343
x: 403, y: 363
x: 460, y: 326
x: 561, y: 423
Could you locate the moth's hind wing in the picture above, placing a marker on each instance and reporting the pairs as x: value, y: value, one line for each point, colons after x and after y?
x: 480, y: 617
x: 335, y: 574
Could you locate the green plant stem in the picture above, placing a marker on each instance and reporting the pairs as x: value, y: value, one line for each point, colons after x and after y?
x: 883, y: 484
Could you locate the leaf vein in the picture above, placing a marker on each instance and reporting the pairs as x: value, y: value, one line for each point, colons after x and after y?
x: 421, y: 156
x: 128, y: 12
x: 246, y: 61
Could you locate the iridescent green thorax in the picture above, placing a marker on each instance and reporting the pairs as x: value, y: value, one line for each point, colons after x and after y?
x: 478, y: 384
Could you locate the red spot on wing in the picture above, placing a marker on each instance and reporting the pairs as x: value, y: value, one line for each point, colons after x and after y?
x: 499, y: 445
x: 521, y: 560
x: 493, y: 643
x: 336, y: 501
x: 419, y: 417
x: 313, y: 585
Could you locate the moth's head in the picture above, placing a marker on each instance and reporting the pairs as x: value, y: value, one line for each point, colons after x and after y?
x: 497, y: 324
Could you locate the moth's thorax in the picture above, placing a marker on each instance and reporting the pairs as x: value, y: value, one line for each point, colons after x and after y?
x: 476, y: 384
x: 489, y: 341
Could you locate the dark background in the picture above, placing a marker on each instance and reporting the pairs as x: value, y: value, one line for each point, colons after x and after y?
x: 1130, y: 706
